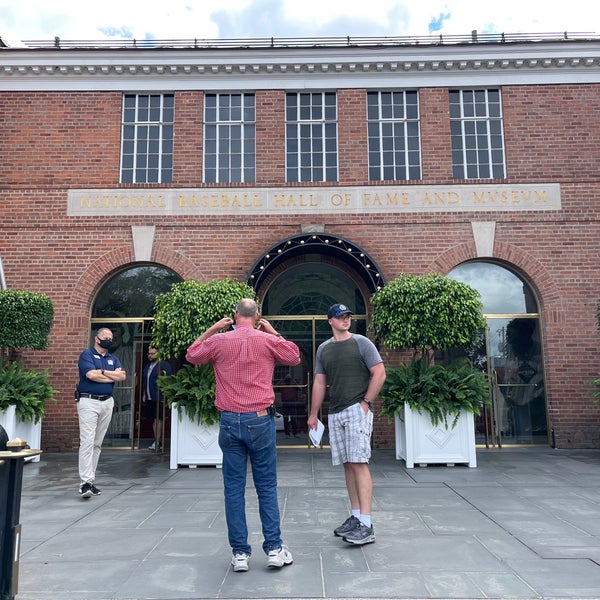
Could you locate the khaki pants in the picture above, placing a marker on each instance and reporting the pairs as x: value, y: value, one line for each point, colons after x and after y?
x: 94, y: 419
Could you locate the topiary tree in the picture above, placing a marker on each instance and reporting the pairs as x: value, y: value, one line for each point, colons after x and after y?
x: 428, y: 313
x: 26, y: 319
x: 180, y: 316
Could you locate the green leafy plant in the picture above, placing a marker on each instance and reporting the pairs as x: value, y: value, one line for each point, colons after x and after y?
x: 193, y: 389
x: 184, y: 312
x: 425, y: 314
x: 26, y: 319
x: 191, y: 307
x: 442, y: 391
x: 27, y: 390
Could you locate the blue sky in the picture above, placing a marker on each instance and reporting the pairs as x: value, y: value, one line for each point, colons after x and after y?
x: 230, y: 19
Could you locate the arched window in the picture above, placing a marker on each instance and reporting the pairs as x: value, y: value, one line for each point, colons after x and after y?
x: 513, y: 353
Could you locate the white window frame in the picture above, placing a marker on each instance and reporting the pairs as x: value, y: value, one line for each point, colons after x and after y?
x: 239, y: 128
x: 307, y: 146
x: 400, y: 162
x: 481, y: 150
x: 147, y: 131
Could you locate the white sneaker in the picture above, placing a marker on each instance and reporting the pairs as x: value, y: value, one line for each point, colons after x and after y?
x: 152, y: 446
x: 278, y: 558
x: 239, y: 561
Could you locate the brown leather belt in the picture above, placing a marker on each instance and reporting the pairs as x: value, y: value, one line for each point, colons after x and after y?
x: 270, y: 410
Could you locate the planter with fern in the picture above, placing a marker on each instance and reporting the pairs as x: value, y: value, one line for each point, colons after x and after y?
x: 181, y: 315
x: 194, y: 419
x: 23, y: 397
x: 26, y: 319
x: 433, y: 406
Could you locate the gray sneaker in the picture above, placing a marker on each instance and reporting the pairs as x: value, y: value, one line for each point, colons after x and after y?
x: 280, y: 557
x: 360, y: 535
x: 347, y: 526
x: 239, y: 561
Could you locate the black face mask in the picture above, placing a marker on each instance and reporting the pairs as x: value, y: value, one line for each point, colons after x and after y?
x: 106, y: 344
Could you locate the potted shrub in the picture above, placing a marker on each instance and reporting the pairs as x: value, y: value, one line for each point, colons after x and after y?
x: 433, y: 405
x: 181, y: 315
x: 26, y: 319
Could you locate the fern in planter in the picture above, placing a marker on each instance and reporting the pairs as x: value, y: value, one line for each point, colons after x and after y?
x: 442, y: 391
x: 193, y: 390
x: 27, y: 390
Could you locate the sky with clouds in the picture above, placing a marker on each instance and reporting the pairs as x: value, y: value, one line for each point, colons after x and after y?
x: 233, y: 19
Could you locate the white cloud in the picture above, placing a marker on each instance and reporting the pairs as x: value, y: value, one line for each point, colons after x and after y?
x: 188, y: 19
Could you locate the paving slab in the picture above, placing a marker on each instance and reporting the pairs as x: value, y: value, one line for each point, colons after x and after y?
x: 523, y: 524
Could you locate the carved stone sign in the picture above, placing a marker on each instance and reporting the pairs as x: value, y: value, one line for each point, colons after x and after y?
x: 313, y: 200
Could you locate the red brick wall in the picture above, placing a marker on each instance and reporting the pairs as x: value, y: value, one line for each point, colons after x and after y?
x: 51, y: 142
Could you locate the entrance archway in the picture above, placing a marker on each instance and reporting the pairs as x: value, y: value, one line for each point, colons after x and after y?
x: 125, y: 304
x: 514, y: 357
x: 296, y: 281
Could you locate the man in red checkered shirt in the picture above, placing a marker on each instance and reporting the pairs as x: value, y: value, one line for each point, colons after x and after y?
x: 244, y: 360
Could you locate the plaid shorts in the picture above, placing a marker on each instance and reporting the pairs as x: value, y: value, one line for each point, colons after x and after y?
x: 350, y: 435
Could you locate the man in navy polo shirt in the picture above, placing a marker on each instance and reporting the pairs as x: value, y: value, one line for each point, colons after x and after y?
x: 98, y: 372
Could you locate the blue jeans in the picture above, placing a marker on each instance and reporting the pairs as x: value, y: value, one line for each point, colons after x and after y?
x: 243, y: 436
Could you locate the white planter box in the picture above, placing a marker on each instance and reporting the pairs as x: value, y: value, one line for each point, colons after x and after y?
x: 26, y: 430
x: 193, y: 444
x: 419, y: 442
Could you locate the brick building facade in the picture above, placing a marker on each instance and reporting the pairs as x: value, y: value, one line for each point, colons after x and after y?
x: 514, y: 184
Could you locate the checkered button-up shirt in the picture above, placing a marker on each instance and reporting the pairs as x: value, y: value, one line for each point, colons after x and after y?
x: 244, y: 360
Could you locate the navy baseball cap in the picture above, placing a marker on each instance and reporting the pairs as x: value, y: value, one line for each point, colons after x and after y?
x: 337, y: 310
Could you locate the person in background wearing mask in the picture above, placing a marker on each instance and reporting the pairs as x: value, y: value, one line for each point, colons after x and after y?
x: 244, y: 361
x: 352, y: 368
x: 99, y: 370
x: 152, y: 398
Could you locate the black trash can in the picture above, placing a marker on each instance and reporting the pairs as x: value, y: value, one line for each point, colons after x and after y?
x: 11, y: 483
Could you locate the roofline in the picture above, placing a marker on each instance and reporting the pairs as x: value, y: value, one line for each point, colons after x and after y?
x: 321, y: 42
x: 258, y: 65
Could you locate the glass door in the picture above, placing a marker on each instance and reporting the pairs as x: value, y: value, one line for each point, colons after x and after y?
x: 512, y: 356
x: 518, y: 410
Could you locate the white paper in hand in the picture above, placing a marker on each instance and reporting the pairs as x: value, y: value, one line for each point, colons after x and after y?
x: 316, y: 434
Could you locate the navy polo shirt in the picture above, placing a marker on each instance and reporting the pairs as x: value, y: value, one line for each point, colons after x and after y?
x: 89, y: 360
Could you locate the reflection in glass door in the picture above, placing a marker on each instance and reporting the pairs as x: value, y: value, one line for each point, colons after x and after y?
x: 516, y: 374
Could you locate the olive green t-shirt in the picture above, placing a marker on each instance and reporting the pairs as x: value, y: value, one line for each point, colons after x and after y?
x: 346, y: 366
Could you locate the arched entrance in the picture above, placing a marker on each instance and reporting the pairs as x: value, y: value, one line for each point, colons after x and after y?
x: 514, y: 359
x: 296, y: 281
x: 125, y: 304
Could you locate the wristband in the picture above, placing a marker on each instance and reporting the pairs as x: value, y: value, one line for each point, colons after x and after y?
x: 367, y: 402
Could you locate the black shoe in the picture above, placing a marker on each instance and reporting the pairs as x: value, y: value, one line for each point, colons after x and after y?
x: 347, y: 526
x: 95, y: 490
x: 360, y: 535
x: 85, y: 490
